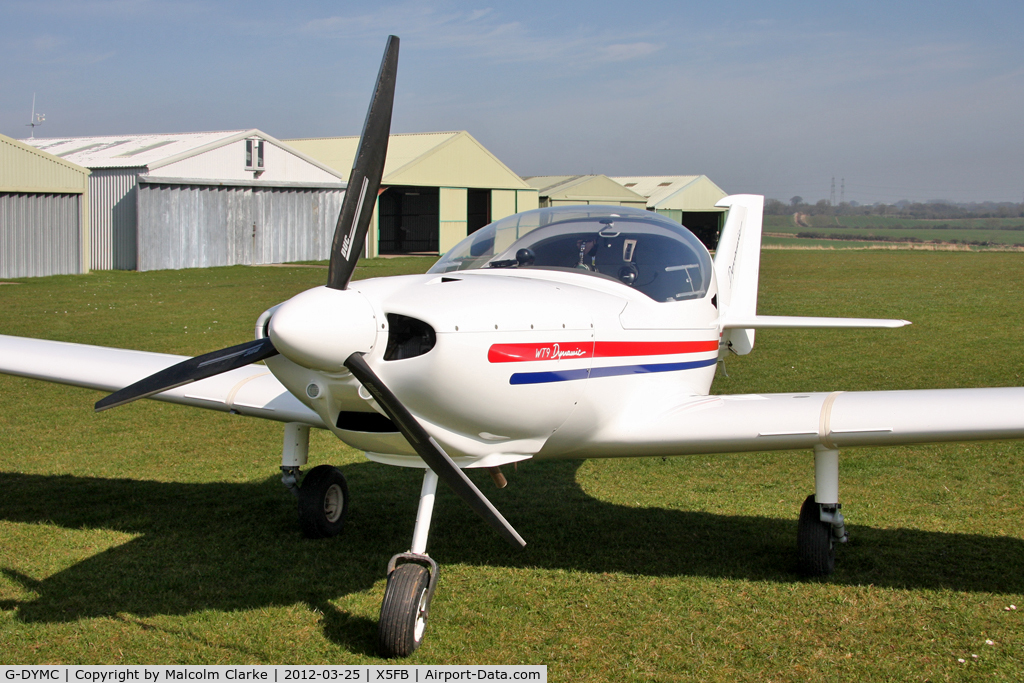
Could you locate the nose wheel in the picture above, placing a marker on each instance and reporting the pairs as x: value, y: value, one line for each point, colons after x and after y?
x: 411, y: 585
x: 406, y: 605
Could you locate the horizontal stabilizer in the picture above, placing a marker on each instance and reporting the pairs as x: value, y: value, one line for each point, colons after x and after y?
x: 794, y: 321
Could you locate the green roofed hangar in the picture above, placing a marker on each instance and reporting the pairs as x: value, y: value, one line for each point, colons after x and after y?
x: 559, y: 190
x: 686, y: 199
x: 437, y: 188
x: 44, y: 213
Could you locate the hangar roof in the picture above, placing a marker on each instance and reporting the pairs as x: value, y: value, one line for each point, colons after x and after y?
x: 687, y: 192
x: 448, y: 159
x: 591, y: 188
x: 129, y: 151
x: 150, y: 151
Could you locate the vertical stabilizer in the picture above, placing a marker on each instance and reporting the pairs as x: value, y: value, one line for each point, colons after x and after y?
x: 737, y: 264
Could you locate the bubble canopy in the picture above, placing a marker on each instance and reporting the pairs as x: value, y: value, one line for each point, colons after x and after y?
x: 640, y: 249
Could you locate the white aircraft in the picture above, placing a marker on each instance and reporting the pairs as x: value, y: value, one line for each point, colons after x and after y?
x: 566, y: 332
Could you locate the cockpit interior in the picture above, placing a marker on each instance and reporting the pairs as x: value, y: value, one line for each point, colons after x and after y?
x: 637, y: 248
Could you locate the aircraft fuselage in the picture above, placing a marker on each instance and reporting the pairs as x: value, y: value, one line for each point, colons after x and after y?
x: 524, y: 362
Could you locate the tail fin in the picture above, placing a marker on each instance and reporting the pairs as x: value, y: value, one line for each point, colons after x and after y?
x: 737, y: 264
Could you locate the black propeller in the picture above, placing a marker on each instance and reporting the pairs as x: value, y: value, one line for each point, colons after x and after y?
x: 367, y: 171
x: 429, y: 450
x: 353, y: 223
x: 191, y: 370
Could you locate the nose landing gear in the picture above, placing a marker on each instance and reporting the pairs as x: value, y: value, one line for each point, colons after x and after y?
x: 406, y: 604
x: 411, y: 585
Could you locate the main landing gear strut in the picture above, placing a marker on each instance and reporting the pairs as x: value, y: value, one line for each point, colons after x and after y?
x: 821, y: 524
x: 323, y: 496
x: 412, y: 576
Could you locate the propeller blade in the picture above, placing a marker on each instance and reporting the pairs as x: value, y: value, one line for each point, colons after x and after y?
x: 367, y: 170
x: 191, y: 370
x: 429, y: 450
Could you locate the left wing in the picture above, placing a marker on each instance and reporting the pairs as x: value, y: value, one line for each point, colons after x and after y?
x: 763, y: 422
x: 251, y: 390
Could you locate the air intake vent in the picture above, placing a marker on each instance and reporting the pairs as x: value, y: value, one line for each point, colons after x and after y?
x: 408, y: 337
x: 374, y: 423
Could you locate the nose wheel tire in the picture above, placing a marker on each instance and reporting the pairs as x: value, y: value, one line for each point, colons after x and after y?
x: 403, y: 614
x: 323, y: 502
x: 815, y: 550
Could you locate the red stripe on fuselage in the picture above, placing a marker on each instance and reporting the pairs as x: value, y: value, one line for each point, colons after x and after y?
x: 610, y: 349
x: 521, y: 353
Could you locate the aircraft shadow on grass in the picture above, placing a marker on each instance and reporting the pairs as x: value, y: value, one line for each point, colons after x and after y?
x: 225, y: 546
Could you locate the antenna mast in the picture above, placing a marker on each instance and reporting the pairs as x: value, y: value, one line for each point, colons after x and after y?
x: 36, y: 119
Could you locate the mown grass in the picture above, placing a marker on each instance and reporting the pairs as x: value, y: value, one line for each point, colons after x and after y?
x: 157, y: 533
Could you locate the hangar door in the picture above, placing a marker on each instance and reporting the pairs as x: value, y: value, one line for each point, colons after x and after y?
x: 40, y: 234
x: 188, y: 225
x: 706, y: 225
x: 409, y: 219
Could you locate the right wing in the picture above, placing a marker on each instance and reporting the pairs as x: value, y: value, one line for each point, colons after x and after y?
x: 765, y: 422
x: 251, y: 390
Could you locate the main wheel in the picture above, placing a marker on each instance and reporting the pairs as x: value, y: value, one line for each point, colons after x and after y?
x: 323, y: 502
x: 816, y: 553
x: 403, y: 614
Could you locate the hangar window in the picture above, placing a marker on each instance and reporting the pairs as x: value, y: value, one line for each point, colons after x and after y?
x: 254, y: 154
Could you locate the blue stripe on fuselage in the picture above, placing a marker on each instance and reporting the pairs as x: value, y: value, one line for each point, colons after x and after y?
x: 569, y: 375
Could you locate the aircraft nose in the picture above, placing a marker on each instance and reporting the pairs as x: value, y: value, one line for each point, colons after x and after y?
x: 322, y: 327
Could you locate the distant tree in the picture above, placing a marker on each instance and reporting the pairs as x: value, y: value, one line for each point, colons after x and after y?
x: 796, y: 201
x: 773, y: 207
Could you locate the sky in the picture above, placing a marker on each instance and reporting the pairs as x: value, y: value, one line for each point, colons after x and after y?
x: 912, y: 100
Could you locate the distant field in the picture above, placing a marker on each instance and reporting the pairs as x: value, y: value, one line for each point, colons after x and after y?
x: 771, y: 241
x: 161, y: 534
x: 891, y: 222
x: 999, y: 231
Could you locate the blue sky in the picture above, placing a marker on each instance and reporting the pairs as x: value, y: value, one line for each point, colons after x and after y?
x: 911, y: 100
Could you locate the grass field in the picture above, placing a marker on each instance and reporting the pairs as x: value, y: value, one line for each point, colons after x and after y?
x: 1000, y: 232
x: 897, y: 222
x: 161, y: 534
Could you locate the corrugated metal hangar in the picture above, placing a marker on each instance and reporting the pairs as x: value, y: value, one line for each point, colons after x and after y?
x: 44, y: 218
x: 686, y: 199
x: 557, y: 190
x: 437, y: 188
x: 194, y: 200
